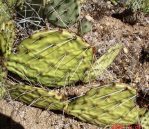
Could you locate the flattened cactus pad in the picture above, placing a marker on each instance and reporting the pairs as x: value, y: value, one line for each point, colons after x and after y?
x: 52, y: 58
x: 85, y: 26
x: 62, y: 12
x: 104, y: 105
x: 107, y: 105
x: 38, y: 97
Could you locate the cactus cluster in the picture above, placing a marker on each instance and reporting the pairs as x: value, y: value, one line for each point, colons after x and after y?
x: 56, y: 58
x: 61, y: 13
x: 105, y: 105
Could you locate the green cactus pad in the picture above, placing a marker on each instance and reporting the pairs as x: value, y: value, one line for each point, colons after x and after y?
x: 62, y: 12
x: 58, y: 58
x: 107, y: 105
x: 52, y: 58
x: 85, y: 26
x: 145, y: 121
x: 38, y: 97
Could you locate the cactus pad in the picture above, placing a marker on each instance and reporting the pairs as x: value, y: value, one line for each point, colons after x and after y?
x: 38, y: 97
x: 62, y: 12
x: 85, y: 26
x: 107, y: 105
x: 101, y: 64
x: 52, y: 58
x: 58, y: 58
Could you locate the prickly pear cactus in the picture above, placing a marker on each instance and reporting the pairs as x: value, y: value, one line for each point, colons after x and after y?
x: 62, y: 57
x: 84, y: 26
x: 38, y: 97
x: 106, y: 105
x: 101, y: 64
x: 52, y: 58
x: 62, y: 12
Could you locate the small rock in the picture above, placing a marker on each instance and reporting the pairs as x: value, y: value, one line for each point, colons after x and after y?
x: 125, y: 50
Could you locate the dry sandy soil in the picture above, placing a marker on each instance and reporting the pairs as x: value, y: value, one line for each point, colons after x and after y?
x: 131, y: 67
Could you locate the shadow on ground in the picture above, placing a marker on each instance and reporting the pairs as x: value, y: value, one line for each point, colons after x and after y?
x: 7, y: 123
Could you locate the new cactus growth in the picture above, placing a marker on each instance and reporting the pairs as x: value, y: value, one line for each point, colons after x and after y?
x: 62, y: 12
x: 62, y: 57
x: 85, y: 26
